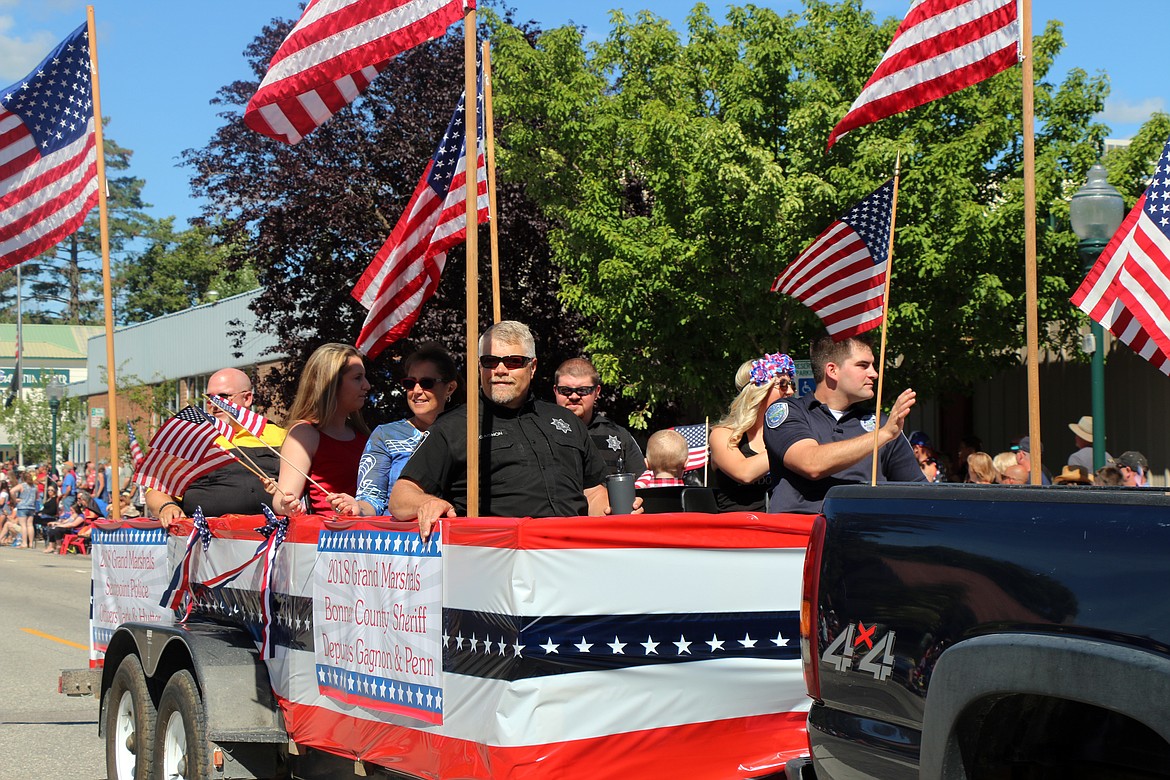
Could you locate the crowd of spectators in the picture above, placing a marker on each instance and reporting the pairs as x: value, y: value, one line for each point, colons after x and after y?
x: 1013, y: 466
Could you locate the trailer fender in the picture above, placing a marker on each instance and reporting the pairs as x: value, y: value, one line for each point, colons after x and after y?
x: 232, y: 680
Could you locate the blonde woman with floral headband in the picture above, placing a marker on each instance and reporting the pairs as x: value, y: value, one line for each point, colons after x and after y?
x: 737, y: 441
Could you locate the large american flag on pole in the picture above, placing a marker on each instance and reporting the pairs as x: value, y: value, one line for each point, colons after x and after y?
x: 941, y: 47
x: 181, y: 451
x: 405, y: 272
x: 332, y: 55
x: 48, y: 155
x: 841, y: 275
x: 1128, y: 290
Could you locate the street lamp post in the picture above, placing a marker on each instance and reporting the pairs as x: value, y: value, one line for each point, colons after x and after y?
x: 55, y: 391
x: 1096, y: 211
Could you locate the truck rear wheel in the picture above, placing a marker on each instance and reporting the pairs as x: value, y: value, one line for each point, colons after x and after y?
x: 181, y: 746
x: 129, y: 727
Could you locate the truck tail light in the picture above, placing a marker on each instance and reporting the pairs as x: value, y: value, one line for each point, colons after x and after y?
x: 809, y: 651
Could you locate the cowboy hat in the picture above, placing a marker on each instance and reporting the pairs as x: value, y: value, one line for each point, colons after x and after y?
x: 1083, y: 428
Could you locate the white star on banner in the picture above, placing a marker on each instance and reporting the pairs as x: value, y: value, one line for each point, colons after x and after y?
x: 583, y: 646
x: 550, y: 647
x: 650, y: 645
x: 748, y: 642
x: 779, y: 641
x: 617, y: 646
x: 459, y: 641
x: 517, y: 649
x: 715, y: 642
x: 501, y: 645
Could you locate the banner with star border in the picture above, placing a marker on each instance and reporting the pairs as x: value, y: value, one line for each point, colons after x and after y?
x: 660, y: 649
x: 377, y: 607
x: 130, y: 574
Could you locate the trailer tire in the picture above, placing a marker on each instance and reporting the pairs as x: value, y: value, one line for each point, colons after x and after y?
x: 181, y: 748
x: 130, y: 721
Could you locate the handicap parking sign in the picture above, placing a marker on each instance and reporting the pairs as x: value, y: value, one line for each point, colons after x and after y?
x: 805, y: 385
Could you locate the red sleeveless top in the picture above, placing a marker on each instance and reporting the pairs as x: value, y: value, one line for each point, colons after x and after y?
x: 335, y: 466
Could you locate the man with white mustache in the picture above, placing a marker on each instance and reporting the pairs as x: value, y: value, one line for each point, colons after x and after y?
x: 536, y: 459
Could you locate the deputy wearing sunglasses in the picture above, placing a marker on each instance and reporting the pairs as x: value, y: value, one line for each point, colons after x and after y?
x: 576, y: 387
x: 536, y: 459
x: 429, y: 383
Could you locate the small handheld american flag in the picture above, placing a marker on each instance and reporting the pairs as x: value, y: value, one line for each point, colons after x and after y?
x: 181, y: 451
x: 135, y: 450
x: 696, y: 436
x: 250, y: 421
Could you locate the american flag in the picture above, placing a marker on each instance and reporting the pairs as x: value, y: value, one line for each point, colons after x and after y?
x: 405, y: 272
x: 696, y: 436
x: 48, y: 153
x: 941, y: 47
x: 135, y: 449
x: 1128, y: 290
x: 250, y: 421
x: 333, y: 53
x: 841, y: 275
x: 181, y: 451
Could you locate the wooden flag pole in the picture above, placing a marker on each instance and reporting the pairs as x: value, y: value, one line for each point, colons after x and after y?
x: 493, y: 209
x: 877, y: 412
x: 104, y: 222
x: 470, y: 164
x: 1032, y: 325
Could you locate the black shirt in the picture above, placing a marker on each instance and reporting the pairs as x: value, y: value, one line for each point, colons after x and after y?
x: 795, y: 419
x: 232, y: 489
x: 535, y: 461
x: 614, y: 442
x: 734, y: 496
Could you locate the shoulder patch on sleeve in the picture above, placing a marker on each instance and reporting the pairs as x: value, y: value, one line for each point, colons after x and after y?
x: 776, y: 414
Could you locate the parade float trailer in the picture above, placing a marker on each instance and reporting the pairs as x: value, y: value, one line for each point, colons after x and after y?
x: 661, y: 646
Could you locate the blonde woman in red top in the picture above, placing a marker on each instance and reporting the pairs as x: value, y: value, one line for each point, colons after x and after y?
x: 326, y: 434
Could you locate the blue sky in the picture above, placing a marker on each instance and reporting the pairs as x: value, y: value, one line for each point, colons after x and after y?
x: 161, y: 62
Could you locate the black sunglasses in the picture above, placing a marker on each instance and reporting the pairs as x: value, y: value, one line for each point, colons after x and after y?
x: 511, y: 362
x: 581, y: 391
x: 426, y: 383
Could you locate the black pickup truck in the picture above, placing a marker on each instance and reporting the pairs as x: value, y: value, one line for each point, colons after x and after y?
x: 988, y: 632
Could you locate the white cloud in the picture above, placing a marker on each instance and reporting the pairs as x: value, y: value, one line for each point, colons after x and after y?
x: 20, y: 55
x: 1125, y: 112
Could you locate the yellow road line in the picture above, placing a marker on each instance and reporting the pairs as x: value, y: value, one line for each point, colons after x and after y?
x: 50, y: 637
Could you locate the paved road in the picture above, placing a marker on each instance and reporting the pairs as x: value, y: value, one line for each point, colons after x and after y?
x: 44, y: 614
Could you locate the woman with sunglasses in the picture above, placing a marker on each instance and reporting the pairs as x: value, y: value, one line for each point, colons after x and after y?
x: 327, y: 434
x: 737, y: 441
x: 429, y: 383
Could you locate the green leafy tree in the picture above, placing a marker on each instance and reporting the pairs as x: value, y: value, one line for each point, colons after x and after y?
x: 29, y: 420
x: 682, y: 177
x: 176, y: 271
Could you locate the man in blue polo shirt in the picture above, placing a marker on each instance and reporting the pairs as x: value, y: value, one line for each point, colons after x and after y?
x: 826, y: 438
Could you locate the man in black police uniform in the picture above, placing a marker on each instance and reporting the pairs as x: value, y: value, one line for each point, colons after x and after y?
x: 826, y: 437
x: 536, y: 459
x: 576, y: 387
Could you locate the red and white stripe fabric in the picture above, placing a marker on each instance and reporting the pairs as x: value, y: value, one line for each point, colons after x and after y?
x: 250, y: 421
x: 333, y: 53
x: 572, y: 647
x: 48, y: 153
x: 405, y: 272
x: 181, y: 451
x: 941, y: 47
x: 841, y: 275
x: 1128, y: 289
x: 136, y: 455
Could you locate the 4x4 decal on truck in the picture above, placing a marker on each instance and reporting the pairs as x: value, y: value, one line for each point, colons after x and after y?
x: 879, y: 652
